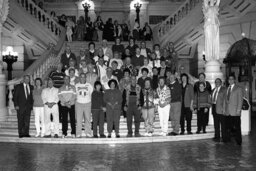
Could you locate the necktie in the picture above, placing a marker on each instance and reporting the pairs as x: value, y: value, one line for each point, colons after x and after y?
x: 215, y: 96
x: 26, y: 91
x: 229, y: 92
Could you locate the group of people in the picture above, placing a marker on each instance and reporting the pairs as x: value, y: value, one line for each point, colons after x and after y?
x: 135, y: 82
x: 85, y: 29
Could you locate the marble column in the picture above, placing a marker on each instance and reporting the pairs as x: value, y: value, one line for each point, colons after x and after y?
x: 4, y: 7
x: 3, y: 82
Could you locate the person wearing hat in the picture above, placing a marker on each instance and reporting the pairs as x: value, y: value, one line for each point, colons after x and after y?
x: 109, y: 76
x: 113, y: 100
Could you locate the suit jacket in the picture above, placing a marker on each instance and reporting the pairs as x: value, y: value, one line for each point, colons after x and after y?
x: 65, y: 60
x: 20, y: 100
x: 188, y: 96
x: 220, y: 100
x: 233, y: 106
x: 90, y: 55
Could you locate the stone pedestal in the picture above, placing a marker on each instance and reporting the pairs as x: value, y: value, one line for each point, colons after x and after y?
x: 3, y: 108
x: 213, y: 71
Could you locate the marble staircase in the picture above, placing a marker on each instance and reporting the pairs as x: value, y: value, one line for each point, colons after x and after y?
x: 77, y: 45
x: 9, y: 133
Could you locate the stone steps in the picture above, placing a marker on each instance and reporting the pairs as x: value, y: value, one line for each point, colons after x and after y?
x: 123, y: 130
x: 111, y: 141
x: 77, y: 45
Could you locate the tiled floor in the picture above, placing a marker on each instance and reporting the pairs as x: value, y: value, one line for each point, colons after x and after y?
x: 193, y: 155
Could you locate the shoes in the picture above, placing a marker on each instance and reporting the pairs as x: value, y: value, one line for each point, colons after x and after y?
x: 42, y: 135
x: 102, y: 136
x: 216, y: 139
x: 56, y: 136
x: 197, y: 132
x: 163, y: 134
x: 47, y: 136
x: 109, y: 135
x: 117, y: 136
x: 172, y: 134
x: 146, y: 134
x: 27, y: 136
x: 95, y: 136
x: 37, y: 135
x: 129, y: 135
x: 21, y: 136
x: 78, y: 136
x: 137, y: 135
x: 88, y: 135
x: 182, y: 133
x: 64, y: 136
x: 190, y: 133
x: 150, y: 134
x: 204, y: 132
x: 73, y: 136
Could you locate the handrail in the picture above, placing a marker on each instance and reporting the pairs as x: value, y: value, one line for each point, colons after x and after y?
x: 174, y: 18
x: 41, y: 16
x: 48, y: 54
x: 39, y: 68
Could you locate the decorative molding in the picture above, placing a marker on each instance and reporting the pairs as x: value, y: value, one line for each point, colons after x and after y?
x: 4, y: 10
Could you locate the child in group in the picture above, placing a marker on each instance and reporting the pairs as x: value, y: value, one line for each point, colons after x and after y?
x: 98, y: 109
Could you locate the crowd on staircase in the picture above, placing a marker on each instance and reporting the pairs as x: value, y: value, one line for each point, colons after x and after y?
x: 134, y: 81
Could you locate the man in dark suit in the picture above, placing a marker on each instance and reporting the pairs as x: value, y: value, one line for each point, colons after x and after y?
x: 233, y: 108
x: 218, y: 96
x: 66, y: 57
x: 23, y: 102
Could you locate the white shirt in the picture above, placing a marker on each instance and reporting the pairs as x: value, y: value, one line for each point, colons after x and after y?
x: 50, y: 95
x: 143, y: 52
x: 26, y: 88
x: 216, y: 91
x: 83, y: 92
x: 101, y: 70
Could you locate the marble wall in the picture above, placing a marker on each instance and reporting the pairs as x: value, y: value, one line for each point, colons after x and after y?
x: 120, y: 10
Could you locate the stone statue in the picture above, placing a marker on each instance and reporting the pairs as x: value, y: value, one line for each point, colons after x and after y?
x: 211, y: 29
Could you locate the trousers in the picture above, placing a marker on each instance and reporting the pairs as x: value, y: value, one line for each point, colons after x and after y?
x: 133, y: 111
x: 98, y: 119
x: 148, y: 116
x: 175, y: 112
x: 83, y: 111
x: 113, y: 119
x: 71, y: 112
x: 164, y: 117
x: 54, y: 111
x: 39, y: 117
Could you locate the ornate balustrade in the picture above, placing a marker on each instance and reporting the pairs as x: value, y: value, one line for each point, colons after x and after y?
x: 40, y: 68
x: 163, y: 28
x: 39, y: 14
